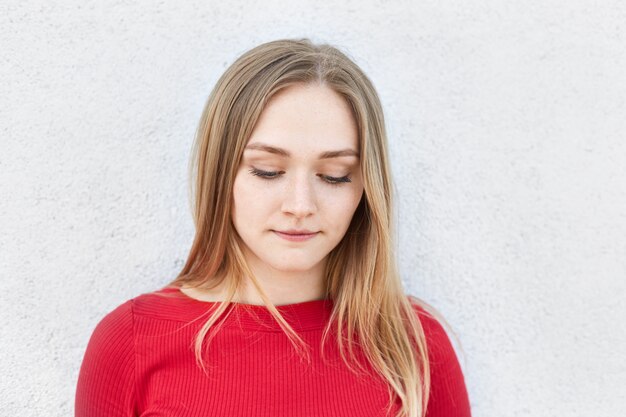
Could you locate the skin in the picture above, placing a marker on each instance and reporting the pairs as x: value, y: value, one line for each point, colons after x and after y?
x: 304, y: 120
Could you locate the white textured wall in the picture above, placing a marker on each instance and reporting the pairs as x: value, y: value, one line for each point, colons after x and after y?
x: 507, y: 130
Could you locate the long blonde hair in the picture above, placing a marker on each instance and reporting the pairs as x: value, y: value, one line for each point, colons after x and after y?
x: 370, y: 309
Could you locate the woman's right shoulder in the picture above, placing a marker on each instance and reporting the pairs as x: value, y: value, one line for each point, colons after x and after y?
x: 166, y: 303
x: 120, y: 314
x: 106, y: 385
x: 113, y: 336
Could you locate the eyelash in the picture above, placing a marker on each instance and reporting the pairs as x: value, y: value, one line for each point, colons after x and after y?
x: 269, y: 175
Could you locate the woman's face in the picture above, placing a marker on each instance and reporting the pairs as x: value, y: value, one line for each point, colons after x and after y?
x: 300, y: 171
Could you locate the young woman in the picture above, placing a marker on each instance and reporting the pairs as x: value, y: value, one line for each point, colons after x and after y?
x: 290, y: 302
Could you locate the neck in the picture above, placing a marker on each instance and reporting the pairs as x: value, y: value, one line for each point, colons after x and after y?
x: 281, y: 287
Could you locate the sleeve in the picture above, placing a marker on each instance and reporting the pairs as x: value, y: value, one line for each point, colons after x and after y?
x: 106, y: 385
x: 448, y: 393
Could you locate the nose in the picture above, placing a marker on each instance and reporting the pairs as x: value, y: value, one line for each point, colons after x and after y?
x: 300, y: 197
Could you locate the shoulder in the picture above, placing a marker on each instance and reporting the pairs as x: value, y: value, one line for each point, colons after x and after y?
x: 105, y: 383
x: 113, y: 336
x: 448, y: 392
x: 439, y: 344
x: 441, y: 351
x: 119, y: 317
x: 168, y: 303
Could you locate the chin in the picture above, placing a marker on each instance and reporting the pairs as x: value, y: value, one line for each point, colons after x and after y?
x: 291, y: 266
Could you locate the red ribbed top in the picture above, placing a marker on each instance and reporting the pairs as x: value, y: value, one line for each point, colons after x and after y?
x: 140, y: 362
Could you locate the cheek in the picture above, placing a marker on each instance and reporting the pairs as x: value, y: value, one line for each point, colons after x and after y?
x: 240, y: 201
x: 243, y: 191
x: 341, y: 210
x: 355, y: 200
x: 248, y: 203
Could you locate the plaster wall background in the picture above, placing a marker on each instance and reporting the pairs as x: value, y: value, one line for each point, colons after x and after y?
x: 507, y: 138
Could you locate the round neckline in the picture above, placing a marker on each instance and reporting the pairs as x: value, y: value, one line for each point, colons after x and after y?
x: 238, y: 304
x: 171, y: 303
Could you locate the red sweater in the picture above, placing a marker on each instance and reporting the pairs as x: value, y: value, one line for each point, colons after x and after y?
x: 140, y: 362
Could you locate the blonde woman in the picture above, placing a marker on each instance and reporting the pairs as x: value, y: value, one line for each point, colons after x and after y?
x: 290, y: 302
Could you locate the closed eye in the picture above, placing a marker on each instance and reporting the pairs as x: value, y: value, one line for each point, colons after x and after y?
x: 269, y: 175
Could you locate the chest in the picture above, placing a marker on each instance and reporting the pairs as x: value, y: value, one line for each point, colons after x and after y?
x: 254, y: 375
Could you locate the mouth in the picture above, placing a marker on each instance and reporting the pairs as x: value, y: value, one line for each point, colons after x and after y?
x: 297, y: 236
x: 296, y: 232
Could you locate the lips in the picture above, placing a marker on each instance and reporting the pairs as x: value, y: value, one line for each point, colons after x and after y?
x: 296, y: 232
x: 296, y: 235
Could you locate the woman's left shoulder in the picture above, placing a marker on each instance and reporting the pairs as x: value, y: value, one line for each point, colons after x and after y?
x: 448, y: 390
x: 438, y: 341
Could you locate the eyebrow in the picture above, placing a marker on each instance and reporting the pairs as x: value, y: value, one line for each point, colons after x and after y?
x: 282, y: 152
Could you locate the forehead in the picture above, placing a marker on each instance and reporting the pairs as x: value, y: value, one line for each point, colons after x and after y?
x: 303, y: 120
